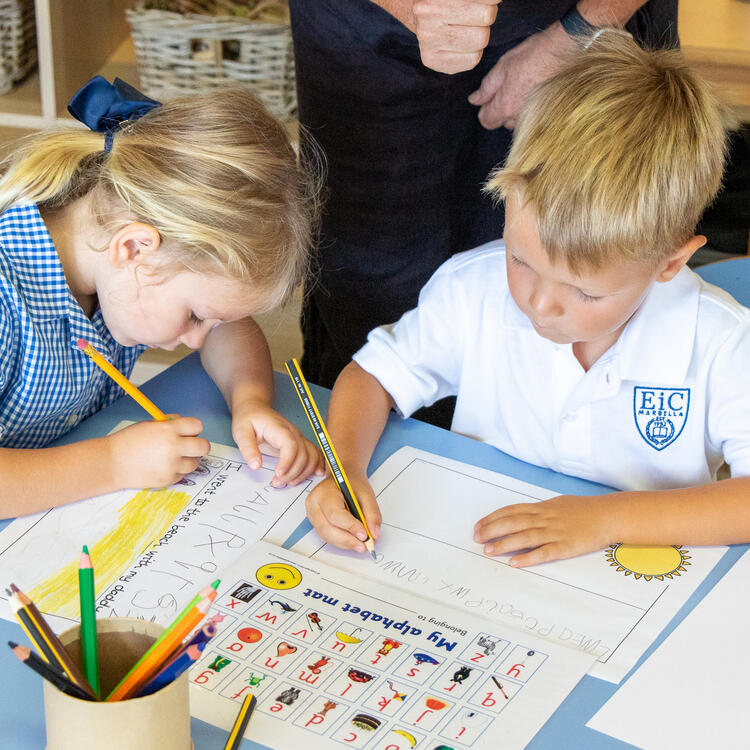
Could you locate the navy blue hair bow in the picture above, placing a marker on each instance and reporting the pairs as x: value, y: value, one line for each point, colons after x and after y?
x: 104, y: 106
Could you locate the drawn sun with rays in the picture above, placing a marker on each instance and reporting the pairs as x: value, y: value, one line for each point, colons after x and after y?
x: 648, y: 561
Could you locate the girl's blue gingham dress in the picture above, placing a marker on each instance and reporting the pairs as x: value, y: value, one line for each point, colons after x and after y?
x: 47, y: 384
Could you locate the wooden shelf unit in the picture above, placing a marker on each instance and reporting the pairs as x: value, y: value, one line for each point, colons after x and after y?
x: 76, y: 39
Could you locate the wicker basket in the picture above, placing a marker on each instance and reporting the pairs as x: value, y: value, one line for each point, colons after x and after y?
x: 17, y: 41
x: 186, y: 46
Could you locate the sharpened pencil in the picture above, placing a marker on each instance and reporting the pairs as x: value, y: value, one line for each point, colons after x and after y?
x: 42, y: 636
x: 155, y: 658
x: 88, y: 620
x: 173, y: 670
x: 57, y: 678
x: 321, y: 433
x: 133, y: 391
x: 240, y: 723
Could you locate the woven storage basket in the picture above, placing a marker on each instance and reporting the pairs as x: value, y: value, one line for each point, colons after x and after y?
x: 17, y: 41
x: 187, y: 46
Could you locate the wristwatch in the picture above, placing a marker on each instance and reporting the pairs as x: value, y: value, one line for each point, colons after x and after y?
x: 576, y: 25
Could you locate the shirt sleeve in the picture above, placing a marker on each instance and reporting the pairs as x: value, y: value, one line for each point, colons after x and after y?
x: 728, y: 418
x: 8, y: 337
x: 418, y: 359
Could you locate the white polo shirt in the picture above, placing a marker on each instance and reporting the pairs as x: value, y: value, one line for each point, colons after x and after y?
x: 661, y: 408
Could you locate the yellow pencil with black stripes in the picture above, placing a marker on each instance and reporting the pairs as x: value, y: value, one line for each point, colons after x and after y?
x: 321, y: 433
x: 240, y: 723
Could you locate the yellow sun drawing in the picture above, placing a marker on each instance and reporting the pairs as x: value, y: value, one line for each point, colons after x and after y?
x: 648, y: 561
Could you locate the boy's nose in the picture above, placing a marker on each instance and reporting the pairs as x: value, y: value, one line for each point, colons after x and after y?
x: 544, y: 303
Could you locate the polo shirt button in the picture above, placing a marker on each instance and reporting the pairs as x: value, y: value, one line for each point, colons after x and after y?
x: 570, y: 416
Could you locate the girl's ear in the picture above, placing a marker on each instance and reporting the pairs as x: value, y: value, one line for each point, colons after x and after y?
x: 675, y: 263
x: 133, y: 241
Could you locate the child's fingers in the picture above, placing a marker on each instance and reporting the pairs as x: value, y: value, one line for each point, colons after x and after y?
x: 194, y: 447
x: 308, y: 460
x: 545, y: 553
x: 292, y: 462
x: 527, y: 539
x: 247, y: 442
x: 485, y: 530
x: 186, y: 425
x: 326, y: 524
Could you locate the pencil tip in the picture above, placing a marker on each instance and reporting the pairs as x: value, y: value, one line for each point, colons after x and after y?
x: 12, y: 644
x: 215, y: 584
x: 373, y: 556
x: 85, y: 549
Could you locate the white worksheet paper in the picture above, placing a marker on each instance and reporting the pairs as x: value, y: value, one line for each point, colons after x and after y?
x: 337, y: 660
x: 152, y: 550
x: 612, y: 603
x: 690, y: 693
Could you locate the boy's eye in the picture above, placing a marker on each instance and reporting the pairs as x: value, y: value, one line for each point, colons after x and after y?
x: 587, y: 297
x: 195, y: 319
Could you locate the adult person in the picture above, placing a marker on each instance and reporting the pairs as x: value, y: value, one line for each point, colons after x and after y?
x: 412, y: 101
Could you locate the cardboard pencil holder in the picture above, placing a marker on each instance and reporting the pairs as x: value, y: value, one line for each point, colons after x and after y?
x: 156, y: 722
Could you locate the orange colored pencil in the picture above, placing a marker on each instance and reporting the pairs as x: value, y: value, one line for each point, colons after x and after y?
x: 132, y: 390
x: 155, y: 658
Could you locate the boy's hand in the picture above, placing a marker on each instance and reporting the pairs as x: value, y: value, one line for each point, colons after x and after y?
x: 298, y: 458
x: 332, y: 520
x: 157, y: 454
x: 553, y: 529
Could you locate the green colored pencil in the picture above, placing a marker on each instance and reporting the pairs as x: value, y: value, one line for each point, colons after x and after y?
x: 88, y: 621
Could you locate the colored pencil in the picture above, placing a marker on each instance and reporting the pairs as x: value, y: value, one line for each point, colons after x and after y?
x: 173, y: 670
x: 155, y: 658
x: 88, y: 620
x: 122, y: 381
x: 240, y: 723
x: 324, y: 440
x: 42, y: 636
x: 25, y: 655
x: 209, y: 592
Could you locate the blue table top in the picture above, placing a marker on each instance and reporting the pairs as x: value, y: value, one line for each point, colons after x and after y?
x: 186, y: 389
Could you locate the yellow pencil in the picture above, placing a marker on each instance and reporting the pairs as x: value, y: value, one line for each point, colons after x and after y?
x: 240, y: 723
x: 122, y: 381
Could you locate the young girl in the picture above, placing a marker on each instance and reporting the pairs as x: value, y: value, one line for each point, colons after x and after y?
x: 168, y: 228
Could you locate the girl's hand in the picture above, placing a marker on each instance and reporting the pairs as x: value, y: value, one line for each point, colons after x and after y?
x: 298, y: 457
x: 157, y: 454
x: 553, y: 529
x: 332, y: 520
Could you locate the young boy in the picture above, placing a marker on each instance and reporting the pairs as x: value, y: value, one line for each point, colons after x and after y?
x: 581, y: 342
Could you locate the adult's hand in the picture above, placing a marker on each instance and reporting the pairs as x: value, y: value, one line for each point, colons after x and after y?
x: 504, y: 89
x: 452, y: 34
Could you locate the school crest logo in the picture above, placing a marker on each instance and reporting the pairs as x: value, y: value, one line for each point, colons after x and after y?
x: 660, y: 414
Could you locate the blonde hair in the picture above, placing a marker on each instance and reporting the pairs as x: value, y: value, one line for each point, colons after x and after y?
x: 215, y: 174
x: 618, y: 155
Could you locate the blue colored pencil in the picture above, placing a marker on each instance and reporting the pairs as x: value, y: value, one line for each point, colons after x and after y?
x: 172, y: 671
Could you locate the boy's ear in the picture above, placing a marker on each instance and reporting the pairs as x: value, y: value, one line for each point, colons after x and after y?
x: 680, y: 257
x: 135, y: 240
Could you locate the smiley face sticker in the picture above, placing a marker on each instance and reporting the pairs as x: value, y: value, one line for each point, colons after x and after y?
x: 278, y: 576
